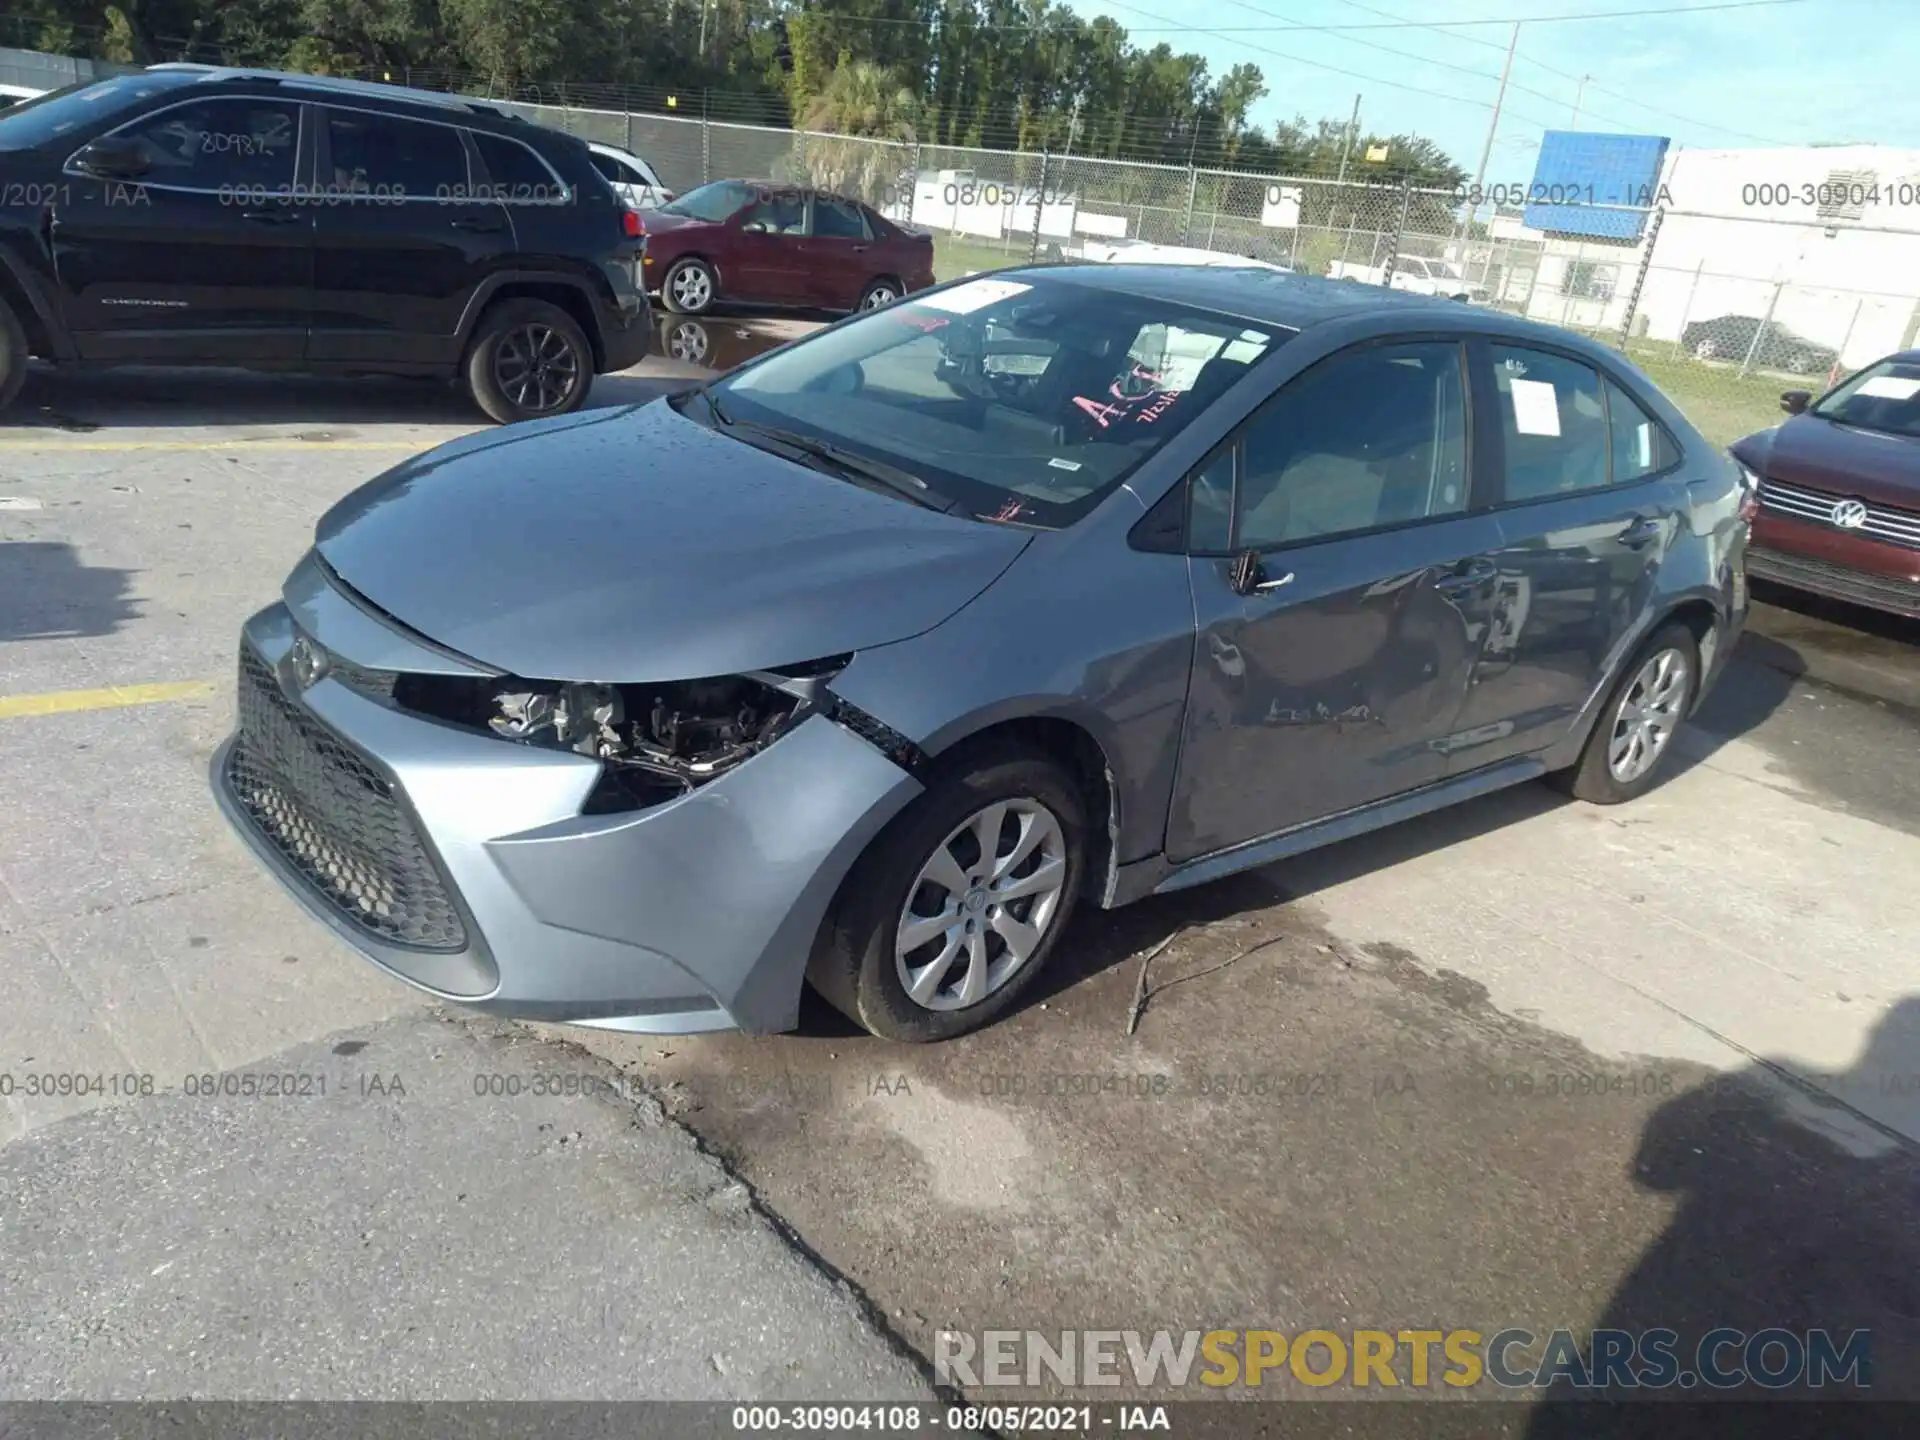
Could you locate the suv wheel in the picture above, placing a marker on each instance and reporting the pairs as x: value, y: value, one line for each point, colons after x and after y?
x: 528, y: 360
x: 689, y: 287
x: 955, y: 907
x: 13, y: 355
x: 1629, y: 744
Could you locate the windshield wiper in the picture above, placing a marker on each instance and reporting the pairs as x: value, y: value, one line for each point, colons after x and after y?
x: 891, y: 478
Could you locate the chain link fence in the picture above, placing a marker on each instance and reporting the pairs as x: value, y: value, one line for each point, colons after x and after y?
x: 1724, y: 311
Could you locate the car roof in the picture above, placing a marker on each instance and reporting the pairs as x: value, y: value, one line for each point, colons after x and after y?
x: 340, y: 86
x: 1297, y: 302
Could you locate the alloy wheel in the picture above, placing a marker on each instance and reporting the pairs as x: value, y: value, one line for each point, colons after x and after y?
x: 878, y: 297
x: 981, y: 904
x: 688, y: 341
x: 1649, y: 713
x: 692, y: 287
x: 536, y: 367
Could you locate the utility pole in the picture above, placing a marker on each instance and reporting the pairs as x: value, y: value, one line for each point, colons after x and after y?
x: 1486, y: 153
x: 1353, y: 129
x: 1578, y: 95
x: 703, y: 30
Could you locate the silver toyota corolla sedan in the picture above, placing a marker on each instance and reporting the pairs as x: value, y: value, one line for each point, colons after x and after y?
x: 868, y: 662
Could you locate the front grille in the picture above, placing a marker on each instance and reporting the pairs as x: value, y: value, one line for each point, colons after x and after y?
x: 1896, y: 527
x: 1884, y: 592
x: 335, y: 819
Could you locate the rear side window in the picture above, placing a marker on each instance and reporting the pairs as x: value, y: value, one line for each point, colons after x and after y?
x: 1552, y: 422
x: 215, y: 144
x: 519, y: 176
x: 386, y: 155
x: 838, y: 220
x: 1640, y: 446
x: 1365, y: 439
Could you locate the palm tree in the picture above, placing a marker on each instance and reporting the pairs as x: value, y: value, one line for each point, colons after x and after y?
x: 855, y: 133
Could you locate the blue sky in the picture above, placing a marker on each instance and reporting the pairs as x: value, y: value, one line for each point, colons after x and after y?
x: 1812, y: 71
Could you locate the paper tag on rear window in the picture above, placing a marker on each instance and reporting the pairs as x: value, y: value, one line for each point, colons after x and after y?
x: 1890, y: 387
x: 973, y: 295
x: 1059, y: 464
x: 1535, y: 410
x: 1643, y: 445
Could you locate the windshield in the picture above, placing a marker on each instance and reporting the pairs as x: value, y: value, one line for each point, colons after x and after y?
x: 1025, y: 400
x: 1883, y: 397
x: 713, y: 202
x: 62, y: 112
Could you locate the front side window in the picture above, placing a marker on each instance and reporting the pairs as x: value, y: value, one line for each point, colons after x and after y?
x: 386, y: 155
x: 1552, y: 422
x: 1883, y: 397
x: 1368, y: 438
x: 215, y: 143
x: 779, y: 212
x: 713, y: 203
x: 1025, y: 400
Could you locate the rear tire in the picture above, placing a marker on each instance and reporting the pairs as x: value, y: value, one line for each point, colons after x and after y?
x: 529, y: 360
x: 1627, y: 751
x: 866, y: 956
x: 13, y: 355
x: 689, y: 287
x: 880, y: 294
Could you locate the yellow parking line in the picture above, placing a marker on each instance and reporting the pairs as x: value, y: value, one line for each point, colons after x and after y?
x: 124, y: 445
x: 60, y: 702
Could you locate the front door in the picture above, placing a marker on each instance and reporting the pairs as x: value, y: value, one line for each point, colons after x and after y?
x: 1589, y: 501
x: 768, y: 263
x: 403, y: 236
x: 207, y: 256
x: 1334, y: 682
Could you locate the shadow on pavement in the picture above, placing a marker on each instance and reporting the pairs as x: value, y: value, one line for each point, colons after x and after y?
x: 47, y: 594
x: 1793, y: 1213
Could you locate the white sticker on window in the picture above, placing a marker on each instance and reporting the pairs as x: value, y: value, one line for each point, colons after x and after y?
x: 1535, y: 409
x: 1242, y: 352
x: 1643, y: 445
x: 1890, y: 387
x: 1059, y: 464
x: 972, y: 296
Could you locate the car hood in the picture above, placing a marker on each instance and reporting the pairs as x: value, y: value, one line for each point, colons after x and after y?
x: 632, y: 545
x: 1838, y: 459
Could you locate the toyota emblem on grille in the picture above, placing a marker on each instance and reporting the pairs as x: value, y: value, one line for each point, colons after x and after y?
x: 1849, y: 515
x: 306, y: 663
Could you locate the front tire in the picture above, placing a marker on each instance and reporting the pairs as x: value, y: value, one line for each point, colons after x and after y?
x: 689, y: 288
x: 529, y: 360
x: 13, y: 355
x: 1628, y: 748
x: 956, y: 906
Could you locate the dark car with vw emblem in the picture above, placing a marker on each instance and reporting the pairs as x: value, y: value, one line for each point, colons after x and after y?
x: 1840, y: 489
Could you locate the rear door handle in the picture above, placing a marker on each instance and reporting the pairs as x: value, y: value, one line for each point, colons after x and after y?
x: 287, y: 215
x: 1467, y: 575
x: 479, y: 226
x: 1641, y: 533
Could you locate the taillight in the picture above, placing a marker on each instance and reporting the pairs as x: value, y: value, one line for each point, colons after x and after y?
x: 1749, y: 494
x: 632, y: 225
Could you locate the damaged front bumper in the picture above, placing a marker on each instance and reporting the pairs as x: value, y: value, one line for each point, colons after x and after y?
x: 462, y: 864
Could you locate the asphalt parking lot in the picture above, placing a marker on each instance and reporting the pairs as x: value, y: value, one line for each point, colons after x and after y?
x: 1524, y: 1063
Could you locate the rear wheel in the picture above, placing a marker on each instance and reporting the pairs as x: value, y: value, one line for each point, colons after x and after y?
x: 13, y: 355
x: 689, y: 287
x: 1629, y: 745
x: 528, y: 360
x: 955, y: 907
x: 879, y: 294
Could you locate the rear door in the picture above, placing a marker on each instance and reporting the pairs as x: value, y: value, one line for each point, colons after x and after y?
x: 1333, y: 684
x: 205, y: 258
x: 1589, y: 499
x: 839, y: 252
x: 403, y: 236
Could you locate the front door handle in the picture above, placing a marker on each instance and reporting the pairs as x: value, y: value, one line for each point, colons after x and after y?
x: 478, y: 226
x: 1641, y: 533
x: 284, y: 216
x: 1468, y: 575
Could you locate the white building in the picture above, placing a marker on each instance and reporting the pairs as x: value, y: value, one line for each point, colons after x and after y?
x: 1826, y: 239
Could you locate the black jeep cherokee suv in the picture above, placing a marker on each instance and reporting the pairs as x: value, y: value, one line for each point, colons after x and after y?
x: 188, y: 215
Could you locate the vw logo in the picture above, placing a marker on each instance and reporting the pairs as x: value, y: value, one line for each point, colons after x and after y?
x: 1849, y: 515
x: 306, y: 663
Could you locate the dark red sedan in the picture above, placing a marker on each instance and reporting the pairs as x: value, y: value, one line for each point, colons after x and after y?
x: 759, y: 243
x: 1840, y: 489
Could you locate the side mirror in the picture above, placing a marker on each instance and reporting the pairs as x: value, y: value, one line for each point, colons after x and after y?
x: 754, y: 227
x: 113, y: 158
x: 1794, y: 402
